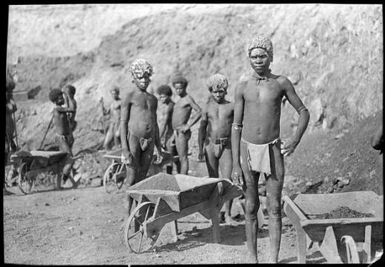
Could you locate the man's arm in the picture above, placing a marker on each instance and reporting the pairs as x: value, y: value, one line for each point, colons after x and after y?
x: 377, y: 139
x: 304, y: 115
x: 236, y: 131
x: 202, y: 132
x: 124, y: 117
x: 198, y: 112
x: 157, y: 138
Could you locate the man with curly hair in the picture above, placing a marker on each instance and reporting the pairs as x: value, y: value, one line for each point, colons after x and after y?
x: 181, y: 121
x: 138, y: 123
x: 214, y: 137
x: 256, y: 143
x: 113, y: 130
x: 63, y: 134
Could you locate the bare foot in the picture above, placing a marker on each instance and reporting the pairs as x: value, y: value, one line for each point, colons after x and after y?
x: 230, y: 221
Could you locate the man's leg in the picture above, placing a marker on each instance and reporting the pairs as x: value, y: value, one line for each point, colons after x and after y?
x: 226, y: 166
x: 251, y: 203
x: 64, y: 146
x: 145, y: 162
x: 181, y: 142
x: 109, y: 137
x: 117, y: 136
x: 274, y: 184
x: 212, y: 162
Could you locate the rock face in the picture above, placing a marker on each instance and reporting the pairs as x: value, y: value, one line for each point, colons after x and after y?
x: 332, y: 53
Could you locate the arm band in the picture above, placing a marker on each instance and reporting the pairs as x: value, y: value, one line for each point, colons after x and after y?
x: 303, y: 108
x: 237, y: 126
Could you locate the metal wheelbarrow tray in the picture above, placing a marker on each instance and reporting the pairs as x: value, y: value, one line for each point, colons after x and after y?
x: 329, y: 233
x: 164, y: 198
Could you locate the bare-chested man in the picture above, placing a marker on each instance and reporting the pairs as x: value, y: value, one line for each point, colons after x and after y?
x: 70, y: 91
x: 139, y: 127
x: 64, y: 137
x: 214, y: 137
x: 113, y: 130
x: 256, y: 143
x: 181, y: 122
x: 164, y: 113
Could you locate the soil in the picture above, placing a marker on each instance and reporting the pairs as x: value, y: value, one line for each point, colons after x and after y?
x: 342, y: 212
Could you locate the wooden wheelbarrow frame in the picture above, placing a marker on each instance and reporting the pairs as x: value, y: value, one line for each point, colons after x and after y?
x: 330, y: 234
x: 166, y: 209
x: 29, y: 165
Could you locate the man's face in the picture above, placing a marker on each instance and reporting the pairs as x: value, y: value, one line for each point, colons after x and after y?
x: 60, y: 100
x: 115, y: 94
x: 163, y: 98
x: 141, y: 79
x: 180, y: 89
x: 218, y: 94
x: 259, y: 60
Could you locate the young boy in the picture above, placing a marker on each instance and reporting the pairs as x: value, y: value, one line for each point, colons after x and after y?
x: 138, y: 123
x: 164, y: 114
x: 180, y: 121
x: 70, y: 102
x: 256, y: 144
x: 214, y: 137
x: 64, y: 137
x: 113, y: 130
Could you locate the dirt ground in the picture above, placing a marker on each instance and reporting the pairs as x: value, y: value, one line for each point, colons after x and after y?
x: 85, y: 226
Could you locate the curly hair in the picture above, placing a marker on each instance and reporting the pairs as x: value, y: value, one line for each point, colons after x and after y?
x: 164, y: 90
x: 141, y: 65
x: 54, y: 94
x: 179, y: 79
x: 261, y: 41
x: 217, y: 81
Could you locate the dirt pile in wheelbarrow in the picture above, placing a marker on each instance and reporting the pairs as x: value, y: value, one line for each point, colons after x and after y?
x: 342, y: 212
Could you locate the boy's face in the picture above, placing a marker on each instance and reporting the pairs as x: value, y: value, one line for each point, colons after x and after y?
x: 163, y: 98
x: 180, y: 89
x: 141, y: 79
x: 219, y: 94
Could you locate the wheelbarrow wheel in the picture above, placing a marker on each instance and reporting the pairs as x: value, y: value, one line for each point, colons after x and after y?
x: 135, y: 231
x: 109, y: 182
x: 24, y: 181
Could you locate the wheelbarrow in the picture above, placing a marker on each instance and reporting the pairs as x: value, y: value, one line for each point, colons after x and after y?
x: 115, y: 175
x: 331, y: 234
x: 164, y: 198
x: 31, y: 163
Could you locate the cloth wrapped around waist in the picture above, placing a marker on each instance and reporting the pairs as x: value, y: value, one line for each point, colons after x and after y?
x: 258, y: 156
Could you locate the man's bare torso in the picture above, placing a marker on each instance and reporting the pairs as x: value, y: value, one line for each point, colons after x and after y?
x: 182, y: 112
x: 220, y: 118
x: 262, y: 109
x: 162, y: 113
x: 142, y: 114
x: 61, y: 122
x: 115, y: 111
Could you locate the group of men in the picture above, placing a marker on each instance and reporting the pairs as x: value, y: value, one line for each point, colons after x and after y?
x: 240, y: 138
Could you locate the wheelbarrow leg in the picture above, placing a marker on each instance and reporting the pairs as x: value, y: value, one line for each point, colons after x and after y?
x: 367, y: 244
x: 329, y: 247
x: 174, y: 229
x: 214, y: 211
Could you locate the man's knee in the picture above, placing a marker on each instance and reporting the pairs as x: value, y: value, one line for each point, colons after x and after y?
x: 251, y: 208
x: 274, y: 208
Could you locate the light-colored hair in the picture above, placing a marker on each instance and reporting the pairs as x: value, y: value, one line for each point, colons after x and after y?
x: 141, y: 65
x: 261, y: 41
x: 217, y: 81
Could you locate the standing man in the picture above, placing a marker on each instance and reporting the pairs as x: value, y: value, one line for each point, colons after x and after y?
x: 113, y: 130
x: 138, y: 123
x: 214, y: 137
x: 180, y: 121
x: 256, y: 143
x: 164, y: 113
x: 63, y: 135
